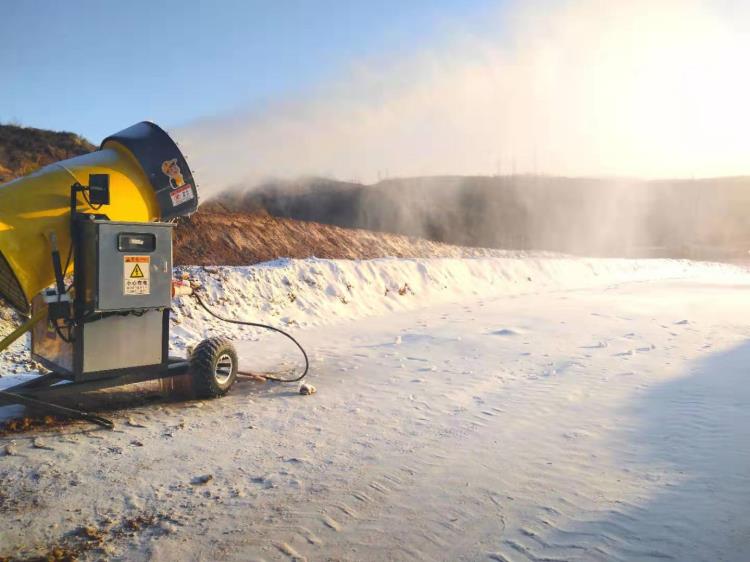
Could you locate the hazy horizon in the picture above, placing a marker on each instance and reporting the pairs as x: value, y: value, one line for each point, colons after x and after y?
x: 571, y: 88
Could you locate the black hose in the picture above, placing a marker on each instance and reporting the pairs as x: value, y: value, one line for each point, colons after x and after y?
x: 259, y: 325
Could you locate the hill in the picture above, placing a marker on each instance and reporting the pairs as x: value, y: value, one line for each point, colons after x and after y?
x: 703, y: 219
x: 24, y: 149
x: 215, y: 237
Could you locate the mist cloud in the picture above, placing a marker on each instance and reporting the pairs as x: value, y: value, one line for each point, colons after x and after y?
x: 580, y: 88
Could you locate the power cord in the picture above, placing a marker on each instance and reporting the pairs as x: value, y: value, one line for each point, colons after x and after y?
x: 84, y: 192
x: 258, y: 325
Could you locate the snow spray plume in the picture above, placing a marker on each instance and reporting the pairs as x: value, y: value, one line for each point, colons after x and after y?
x: 574, y: 88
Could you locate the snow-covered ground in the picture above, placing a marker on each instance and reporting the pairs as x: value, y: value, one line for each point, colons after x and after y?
x: 312, y: 293
x: 526, y: 408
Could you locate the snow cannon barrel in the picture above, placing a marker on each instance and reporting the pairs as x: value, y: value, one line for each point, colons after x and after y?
x: 149, y: 180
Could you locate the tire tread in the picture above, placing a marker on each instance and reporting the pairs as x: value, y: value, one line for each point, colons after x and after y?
x: 202, y: 363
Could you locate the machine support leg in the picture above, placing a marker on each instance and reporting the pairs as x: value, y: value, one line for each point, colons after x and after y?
x: 42, y: 381
x: 11, y: 398
x: 22, y: 329
x: 34, y: 393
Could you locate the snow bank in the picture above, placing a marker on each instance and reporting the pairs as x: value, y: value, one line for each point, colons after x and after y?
x: 312, y: 292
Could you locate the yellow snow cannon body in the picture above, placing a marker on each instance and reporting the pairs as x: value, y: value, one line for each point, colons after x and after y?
x: 148, y: 178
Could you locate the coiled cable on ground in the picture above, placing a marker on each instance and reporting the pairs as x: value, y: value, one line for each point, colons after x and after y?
x: 201, y: 302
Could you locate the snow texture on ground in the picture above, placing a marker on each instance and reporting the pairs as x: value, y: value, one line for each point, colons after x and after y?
x: 511, y: 409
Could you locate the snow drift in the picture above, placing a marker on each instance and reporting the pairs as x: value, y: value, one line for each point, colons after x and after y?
x: 301, y: 294
x: 313, y: 292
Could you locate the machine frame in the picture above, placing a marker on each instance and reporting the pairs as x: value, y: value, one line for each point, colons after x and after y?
x: 63, y: 381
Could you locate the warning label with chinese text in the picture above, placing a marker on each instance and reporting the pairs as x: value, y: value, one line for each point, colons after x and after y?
x: 136, y: 275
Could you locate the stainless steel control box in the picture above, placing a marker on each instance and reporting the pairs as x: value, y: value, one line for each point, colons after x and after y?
x: 127, y: 266
x: 123, y: 294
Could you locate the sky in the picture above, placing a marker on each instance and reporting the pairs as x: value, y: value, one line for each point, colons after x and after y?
x: 364, y: 90
x: 95, y: 67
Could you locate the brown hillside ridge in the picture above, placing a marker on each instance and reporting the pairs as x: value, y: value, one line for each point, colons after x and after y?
x: 680, y: 218
x: 217, y: 238
x: 24, y: 149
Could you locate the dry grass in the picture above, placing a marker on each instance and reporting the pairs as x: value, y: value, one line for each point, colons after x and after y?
x: 216, y: 238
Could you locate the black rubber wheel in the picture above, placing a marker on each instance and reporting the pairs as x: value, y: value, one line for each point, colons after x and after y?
x: 213, y: 367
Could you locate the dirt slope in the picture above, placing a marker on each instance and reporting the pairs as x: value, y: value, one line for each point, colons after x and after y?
x: 215, y: 238
x: 24, y: 149
x: 698, y: 219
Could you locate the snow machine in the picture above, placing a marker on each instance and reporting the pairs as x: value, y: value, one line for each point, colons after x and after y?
x: 86, y: 258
